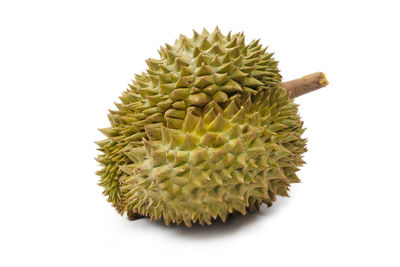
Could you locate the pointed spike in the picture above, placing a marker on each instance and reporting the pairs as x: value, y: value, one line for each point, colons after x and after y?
x: 164, y: 78
x: 147, y: 146
x: 198, y: 156
x: 227, y: 58
x: 199, y: 60
x: 109, y: 132
x: 239, y: 116
x: 229, y: 36
x: 175, y: 113
x: 210, y: 116
x: 194, y: 90
x: 185, y: 81
x: 195, y: 35
x: 176, y: 140
x: 238, y: 62
x: 234, y: 131
x: 241, y: 41
x: 156, y: 117
x: 205, y: 32
x: 226, y: 68
x: 153, y: 64
x: 216, y: 49
x: 166, y: 88
x: 239, y: 205
x: 196, y: 52
x: 179, y: 105
x: 252, y: 82
x: 230, y: 110
x: 179, y: 94
x: 254, y: 43
x: 260, y: 73
x: 153, y: 131
x: 217, y: 154
x: 179, y: 63
x: 255, y: 119
x: 213, y: 105
x: 170, y: 56
x: 185, y: 71
x: 185, y: 43
x: 128, y: 169
x: 253, y: 55
x: 211, y: 89
x: 141, y: 83
x: 238, y: 75
x: 204, y: 44
x: 242, y: 160
x: 216, y: 35
x: 215, y: 62
x: 158, y: 158
x: 220, y: 140
x: 174, y: 123
x: 247, y: 104
x: 204, y: 70
x: 208, y: 139
x: 200, y: 128
x: 161, y: 172
x: 199, y: 100
x: 221, y: 79
x: 136, y: 154
x: 190, y: 142
x: 231, y: 86
x: 165, y: 69
x: 190, y: 122
x: 203, y: 81
x: 180, y: 157
x: 232, y: 43
x: 248, y: 69
x: 220, y: 97
x: 164, y: 105
x: 235, y: 52
x: 161, y: 52
x: 155, y: 80
x: 249, y: 90
x: 250, y: 62
x: 164, y: 135
x: 219, y: 124
x: 248, y: 137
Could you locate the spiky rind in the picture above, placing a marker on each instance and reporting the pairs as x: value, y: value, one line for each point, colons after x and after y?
x: 206, y: 131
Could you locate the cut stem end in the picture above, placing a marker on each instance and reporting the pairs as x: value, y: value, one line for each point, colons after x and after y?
x: 306, y: 84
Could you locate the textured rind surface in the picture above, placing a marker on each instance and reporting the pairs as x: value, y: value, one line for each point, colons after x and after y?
x: 205, y: 132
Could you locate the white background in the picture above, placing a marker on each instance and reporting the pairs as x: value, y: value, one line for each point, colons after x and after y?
x: 64, y: 63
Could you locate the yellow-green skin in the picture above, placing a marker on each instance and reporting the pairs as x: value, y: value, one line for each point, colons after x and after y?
x: 205, y: 132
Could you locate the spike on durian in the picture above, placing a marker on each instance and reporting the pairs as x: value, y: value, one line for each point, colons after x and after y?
x: 199, y: 99
x: 204, y: 32
x: 204, y: 44
x: 204, y: 70
x: 195, y: 36
x: 219, y: 124
x: 190, y: 122
x: 220, y: 97
x: 216, y: 35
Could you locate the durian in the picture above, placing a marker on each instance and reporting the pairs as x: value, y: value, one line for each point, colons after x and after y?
x: 208, y: 130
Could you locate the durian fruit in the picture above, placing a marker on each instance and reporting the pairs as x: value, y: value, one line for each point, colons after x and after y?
x: 208, y: 130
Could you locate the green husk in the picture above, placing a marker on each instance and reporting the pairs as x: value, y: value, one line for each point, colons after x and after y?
x: 205, y: 132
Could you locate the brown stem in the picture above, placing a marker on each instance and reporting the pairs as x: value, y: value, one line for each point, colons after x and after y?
x: 306, y: 84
